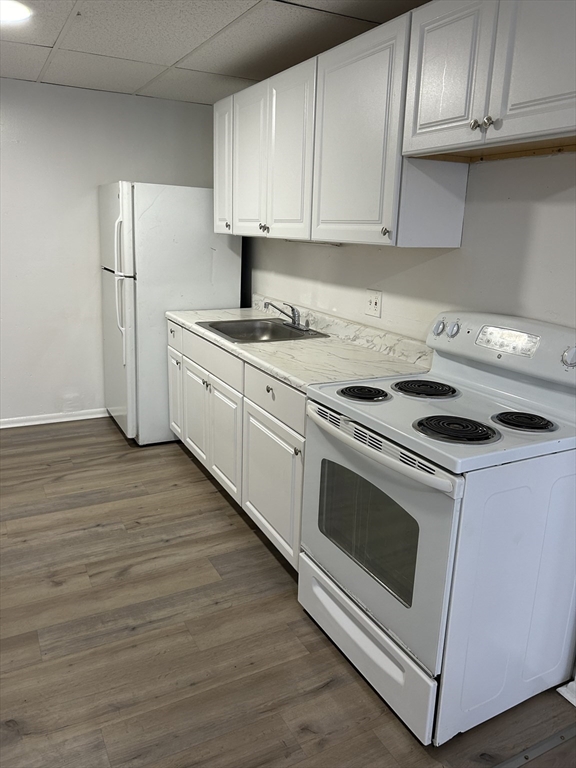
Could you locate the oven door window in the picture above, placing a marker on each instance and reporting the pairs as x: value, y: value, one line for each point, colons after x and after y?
x: 370, y: 527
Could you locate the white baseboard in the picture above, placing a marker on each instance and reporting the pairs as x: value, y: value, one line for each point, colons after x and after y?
x: 50, y: 418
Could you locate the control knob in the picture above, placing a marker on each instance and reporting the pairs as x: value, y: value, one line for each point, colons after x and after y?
x: 453, y: 330
x: 569, y: 357
x: 438, y: 329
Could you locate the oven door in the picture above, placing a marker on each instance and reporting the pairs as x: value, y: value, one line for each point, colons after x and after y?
x: 382, y: 523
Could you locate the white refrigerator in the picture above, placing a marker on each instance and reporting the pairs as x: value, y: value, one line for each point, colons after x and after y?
x: 158, y: 252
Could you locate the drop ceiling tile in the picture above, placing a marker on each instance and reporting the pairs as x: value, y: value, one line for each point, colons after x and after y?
x: 371, y: 10
x: 155, y: 31
x: 197, y: 87
x: 271, y: 37
x: 102, y: 73
x: 43, y: 27
x: 21, y: 61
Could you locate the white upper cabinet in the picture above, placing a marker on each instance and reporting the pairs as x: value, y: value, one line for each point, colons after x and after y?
x: 534, y: 79
x: 490, y: 72
x: 223, y: 121
x: 357, y: 150
x: 250, y: 159
x: 273, y: 145
x: 450, y: 58
x: 364, y: 192
x: 290, y: 152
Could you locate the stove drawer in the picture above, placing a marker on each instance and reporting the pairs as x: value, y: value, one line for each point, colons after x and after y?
x: 409, y: 691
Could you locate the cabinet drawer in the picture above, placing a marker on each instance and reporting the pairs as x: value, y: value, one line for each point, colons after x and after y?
x: 216, y: 360
x: 398, y: 679
x: 282, y: 401
x: 174, y: 336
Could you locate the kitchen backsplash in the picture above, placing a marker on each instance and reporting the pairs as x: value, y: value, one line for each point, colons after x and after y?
x: 400, y: 347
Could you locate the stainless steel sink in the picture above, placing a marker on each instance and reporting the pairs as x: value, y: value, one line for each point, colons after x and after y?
x: 259, y: 330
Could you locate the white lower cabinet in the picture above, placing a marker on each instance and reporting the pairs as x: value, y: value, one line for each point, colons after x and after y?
x: 195, y: 401
x: 254, y: 449
x: 212, y: 425
x: 175, y: 391
x: 225, y: 436
x: 272, y: 478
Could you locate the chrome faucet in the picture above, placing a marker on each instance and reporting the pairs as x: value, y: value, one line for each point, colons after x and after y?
x: 294, y: 313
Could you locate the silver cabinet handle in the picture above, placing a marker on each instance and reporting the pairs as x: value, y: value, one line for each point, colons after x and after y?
x: 261, y: 227
x: 178, y: 363
x: 172, y: 331
x: 474, y: 124
x: 385, y: 231
x: 487, y: 122
x: 227, y: 225
x: 297, y: 451
x: 269, y: 389
x: 266, y: 228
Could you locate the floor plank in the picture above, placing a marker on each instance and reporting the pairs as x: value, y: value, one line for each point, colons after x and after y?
x: 19, y: 651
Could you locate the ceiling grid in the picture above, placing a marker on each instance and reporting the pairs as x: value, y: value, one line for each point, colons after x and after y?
x: 198, y: 51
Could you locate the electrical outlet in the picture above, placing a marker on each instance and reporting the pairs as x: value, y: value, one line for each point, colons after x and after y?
x: 373, y: 302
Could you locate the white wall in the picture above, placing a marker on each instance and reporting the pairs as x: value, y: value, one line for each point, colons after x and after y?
x: 58, y: 145
x: 517, y: 257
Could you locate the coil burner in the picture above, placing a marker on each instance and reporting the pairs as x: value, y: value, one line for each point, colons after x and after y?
x: 454, y: 429
x: 366, y: 394
x: 423, y: 388
x: 525, y: 422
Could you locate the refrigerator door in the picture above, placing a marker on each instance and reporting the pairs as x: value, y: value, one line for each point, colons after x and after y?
x: 119, y: 350
x: 180, y: 264
x: 116, y: 227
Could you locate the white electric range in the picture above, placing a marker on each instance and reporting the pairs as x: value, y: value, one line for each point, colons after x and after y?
x: 438, y: 523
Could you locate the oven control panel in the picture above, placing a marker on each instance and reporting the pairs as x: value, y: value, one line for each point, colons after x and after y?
x: 518, y: 345
x: 507, y: 340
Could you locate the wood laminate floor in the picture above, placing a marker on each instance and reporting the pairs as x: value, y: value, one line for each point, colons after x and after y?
x: 145, y: 624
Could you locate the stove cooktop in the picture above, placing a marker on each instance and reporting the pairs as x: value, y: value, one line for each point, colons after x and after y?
x: 510, y: 428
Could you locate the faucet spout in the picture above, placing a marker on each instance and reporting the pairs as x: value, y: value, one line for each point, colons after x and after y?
x: 294, y: 313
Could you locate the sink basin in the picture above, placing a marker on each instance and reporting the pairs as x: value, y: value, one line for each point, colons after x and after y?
x: 259, y: 330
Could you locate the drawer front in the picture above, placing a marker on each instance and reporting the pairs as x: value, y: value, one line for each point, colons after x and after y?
x: 282, y: 401
x: 175, y: 336
x: 216, y: 360
x: 398, y: 679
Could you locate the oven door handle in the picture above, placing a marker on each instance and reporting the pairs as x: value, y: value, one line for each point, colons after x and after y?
x: 439, y: 483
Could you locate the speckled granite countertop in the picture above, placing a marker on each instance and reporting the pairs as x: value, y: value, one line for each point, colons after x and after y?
x: 313, y: 361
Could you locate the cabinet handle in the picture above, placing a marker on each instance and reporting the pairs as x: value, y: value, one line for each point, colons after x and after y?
x: 172, y: 331
x: 261, y: 227
x: 227, y: 225
x: 385, y: 231
x: 266, y: 228
x: 178, y: 363
x: 474, y: 124
x: 297, y: 451
x: 487, y: 122
x: 269, y: 389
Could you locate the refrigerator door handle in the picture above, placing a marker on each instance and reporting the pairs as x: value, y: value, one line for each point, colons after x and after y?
x: 119, y: 279
x: 117, y: 244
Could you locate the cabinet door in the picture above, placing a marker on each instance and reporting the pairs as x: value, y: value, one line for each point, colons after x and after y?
x: 225, y: 441
x: 223, y: 116
x: 451, y: 52
x: 534, y: 77
x: 175, y: 391
x: 290, y: 147
x: 357, y: 148
x: 249, y: 176
x: 195, y: 396
x: 272, y: 479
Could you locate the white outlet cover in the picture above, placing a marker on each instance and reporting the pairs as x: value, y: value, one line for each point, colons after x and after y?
x: 373, y: 303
